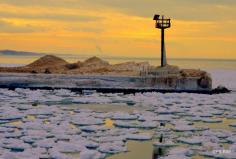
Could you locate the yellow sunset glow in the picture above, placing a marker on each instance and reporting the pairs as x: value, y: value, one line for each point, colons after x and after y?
x: 104, y: 30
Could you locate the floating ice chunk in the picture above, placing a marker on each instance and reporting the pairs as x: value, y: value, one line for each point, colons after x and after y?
x: 93, y: 128
x: 68, y: 147
x: 230, y: 116
x: 54, y: 153
x: 41, y: 133
x: 12, y: 116
x: 231, y: 139
x: 168, y: 110
x: 140, y: 137
x: 219, y: 133
x: 16, y: 134
x: 194, y: 119
x: 180, y: 151
x: 111, y: 138
x: 209, y: 120
x: 208, y: 145
x: 89, y: 99
x: 102, y: 115
x: 146, y: 115
x: 123, y: 116
x: 136, y: 124
x: 45, y: 143
x: 13, y: 155
x: 87, y: 121
x: 91, y: 145
x: 175, y: 157
x: 9, y: 93
x: 15, y: 145
x: 167, y: 143
x: 181, y: 128
x: 227, y: 154
x: 166, y: 118
x: 233, y: 125
x: 112, y: 148
x: 4, y: 129
x: 217, y: 112
x: 40, y: 111
x: 63, y: 92
x: 91, y: 154
x: 195, y: 140
x: 130, y: 103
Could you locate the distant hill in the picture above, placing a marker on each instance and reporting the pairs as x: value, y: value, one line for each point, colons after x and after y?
x: 91, y: 66
x: 48, y: 61
x: 19, y: 53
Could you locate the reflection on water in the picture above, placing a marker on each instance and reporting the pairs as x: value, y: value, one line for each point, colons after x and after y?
x: 109, y: 123
x: 16, y: 123
x: 136, y: 150
x: 158, y: 152
x: 30, y: 117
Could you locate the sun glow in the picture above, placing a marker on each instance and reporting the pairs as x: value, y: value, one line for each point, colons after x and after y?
x: 81, y: 30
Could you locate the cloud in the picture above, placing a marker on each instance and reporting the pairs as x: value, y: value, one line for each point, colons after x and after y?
x: 121, y: 27
x: 46, y: 13
x: 177, y: 9
x: 8, y: 27
x: 202, y: 10
x: 55, y: 16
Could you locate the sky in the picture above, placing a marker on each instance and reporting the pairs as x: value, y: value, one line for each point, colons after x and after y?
x: 122, y: 28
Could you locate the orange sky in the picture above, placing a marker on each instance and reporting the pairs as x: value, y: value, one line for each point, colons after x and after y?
x: 200, y: 29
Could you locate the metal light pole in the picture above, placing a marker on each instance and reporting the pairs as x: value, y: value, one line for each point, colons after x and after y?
x: 162, y: 23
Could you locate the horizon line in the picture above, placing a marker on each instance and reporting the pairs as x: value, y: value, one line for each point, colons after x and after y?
x: 40, y: 54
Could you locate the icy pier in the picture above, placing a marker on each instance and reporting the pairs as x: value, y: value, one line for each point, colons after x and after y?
x: 111, y: 84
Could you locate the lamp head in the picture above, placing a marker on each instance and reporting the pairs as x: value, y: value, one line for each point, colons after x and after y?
x: 156, y: 17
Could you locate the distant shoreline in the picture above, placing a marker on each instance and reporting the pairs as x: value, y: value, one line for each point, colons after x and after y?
x: 6, y: 61
x: 12, y: 53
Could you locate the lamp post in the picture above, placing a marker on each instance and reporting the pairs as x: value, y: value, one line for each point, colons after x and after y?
x: 162, y: 23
